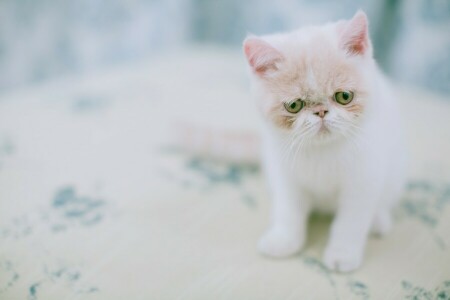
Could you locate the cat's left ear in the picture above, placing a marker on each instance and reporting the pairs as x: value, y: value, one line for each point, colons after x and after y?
x: 354, y: 35
x: 261, y: 56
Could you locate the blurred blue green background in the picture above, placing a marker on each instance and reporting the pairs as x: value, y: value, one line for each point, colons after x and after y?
x: 41, y: 40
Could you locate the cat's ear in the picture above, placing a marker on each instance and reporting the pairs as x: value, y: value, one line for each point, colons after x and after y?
x: 354, y: 35
x: 261, y: 56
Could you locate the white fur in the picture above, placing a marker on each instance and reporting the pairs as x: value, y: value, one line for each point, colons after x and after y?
x: 356, y: 171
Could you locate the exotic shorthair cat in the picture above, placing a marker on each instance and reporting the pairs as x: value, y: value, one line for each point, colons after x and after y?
x: 331, y: 139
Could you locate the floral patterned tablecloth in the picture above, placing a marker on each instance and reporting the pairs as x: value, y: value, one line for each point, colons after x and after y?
x: 96, y: 203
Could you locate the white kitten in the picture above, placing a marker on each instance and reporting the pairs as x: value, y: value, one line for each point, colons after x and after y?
x: 330, y: 140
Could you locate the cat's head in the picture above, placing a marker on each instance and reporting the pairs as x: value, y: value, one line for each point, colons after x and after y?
x: 314, y: 82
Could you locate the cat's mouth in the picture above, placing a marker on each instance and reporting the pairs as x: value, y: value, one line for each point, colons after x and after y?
x: 323, y: 128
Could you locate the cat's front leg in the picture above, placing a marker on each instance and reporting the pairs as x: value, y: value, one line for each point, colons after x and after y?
x: 289, y: 212
x: 350, y: 229
x: 287, y: 233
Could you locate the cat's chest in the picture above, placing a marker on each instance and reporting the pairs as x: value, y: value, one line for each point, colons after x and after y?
x: 322, y: 177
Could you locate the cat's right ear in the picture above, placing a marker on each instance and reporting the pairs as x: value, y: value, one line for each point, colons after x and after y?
x: 354, y: 36
x: 261, y: 56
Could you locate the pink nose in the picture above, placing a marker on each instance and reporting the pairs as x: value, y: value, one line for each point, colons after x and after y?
x: 321, y: 113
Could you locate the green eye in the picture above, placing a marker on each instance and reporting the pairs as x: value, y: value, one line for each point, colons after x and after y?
x: 295, y: 106
x: 344, y: 97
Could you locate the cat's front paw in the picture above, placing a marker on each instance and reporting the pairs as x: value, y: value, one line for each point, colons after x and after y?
x: 280, y: 243
x: 342, y: 259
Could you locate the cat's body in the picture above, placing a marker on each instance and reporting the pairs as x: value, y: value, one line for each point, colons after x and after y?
x: 319, y: 151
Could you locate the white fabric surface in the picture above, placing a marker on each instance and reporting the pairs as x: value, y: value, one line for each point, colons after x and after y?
x: 96, y: 204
